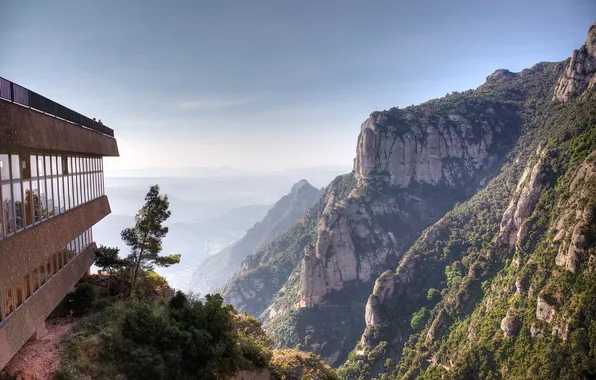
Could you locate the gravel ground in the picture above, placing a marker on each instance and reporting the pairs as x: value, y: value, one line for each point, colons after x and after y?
x: 39, y: 359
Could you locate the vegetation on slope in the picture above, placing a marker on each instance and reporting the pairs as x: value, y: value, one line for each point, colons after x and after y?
x: 470, y: 283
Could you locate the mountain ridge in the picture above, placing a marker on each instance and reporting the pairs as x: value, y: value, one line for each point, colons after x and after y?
x: 218, y: 268
x: 314, y: 287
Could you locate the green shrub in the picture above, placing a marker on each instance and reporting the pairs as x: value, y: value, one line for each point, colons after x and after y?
x: 82, y: 299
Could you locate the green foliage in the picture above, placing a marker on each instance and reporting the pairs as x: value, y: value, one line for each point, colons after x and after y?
x: 107, y: 258
x: 144, y: 239
x: 183, y: 339
x: 82, y: 299
x: 477, y: 278
x: 420, y: 318
x: 433, y: 294
x: 62, y: 375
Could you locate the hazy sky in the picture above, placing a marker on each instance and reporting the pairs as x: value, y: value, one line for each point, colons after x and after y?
x: 267, y: 84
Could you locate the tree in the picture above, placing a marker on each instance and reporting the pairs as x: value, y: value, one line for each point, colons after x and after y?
x: 144, y: 239
x: 108, y: 259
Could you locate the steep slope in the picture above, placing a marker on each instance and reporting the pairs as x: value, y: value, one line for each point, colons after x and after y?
x: 219, y: 268
x: 310, y: 286
x: 504, y: 285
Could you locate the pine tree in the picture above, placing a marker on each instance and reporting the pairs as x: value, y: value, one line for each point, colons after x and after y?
x: 144, y: 239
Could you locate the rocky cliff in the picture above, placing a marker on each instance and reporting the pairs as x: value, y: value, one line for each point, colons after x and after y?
x: 506, y: 153
x: 300, y: 284
x: 503, y: 285
x: 219, y: 268
x: 406, y: 153
x: 580, y: 73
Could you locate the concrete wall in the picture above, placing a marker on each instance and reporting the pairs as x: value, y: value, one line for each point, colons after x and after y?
x: 29, y: 318
x: 27, y: 250
x: 24, y: 128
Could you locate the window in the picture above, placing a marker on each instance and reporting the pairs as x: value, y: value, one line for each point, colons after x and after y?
x: 49, y: 188
x: 27, y: 287
x: 37, y: 186
x: 18, y: 289
x: 42, y: 275
x: 8, y: 303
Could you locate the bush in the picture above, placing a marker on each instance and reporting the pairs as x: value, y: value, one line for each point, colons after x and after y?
x: 82, y: 299
x: 420, y: 318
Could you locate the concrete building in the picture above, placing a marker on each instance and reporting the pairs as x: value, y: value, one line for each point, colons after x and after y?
x: 51, y: 193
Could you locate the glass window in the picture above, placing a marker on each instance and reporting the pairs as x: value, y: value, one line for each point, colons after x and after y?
x: 33, y: 165
x: 56, y: 196
x: 4, y: 167
x: 54, y: 165
x: 42, y: 275
x: 28, y: 202
x: 16, y: 167
x: 18, y: 289
x: 7, y: 209
x: 40, y: 165
x: 35, y: 279
x: 8, y: 303
x: 36, y: 202
x: 18, y: 205
x: 48, y: 180
x: 49, y: 269
x: 73, y: 190
x: 27, y: 287
x: 59, y: 164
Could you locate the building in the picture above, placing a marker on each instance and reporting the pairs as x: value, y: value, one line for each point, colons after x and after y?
x: 51, y: 193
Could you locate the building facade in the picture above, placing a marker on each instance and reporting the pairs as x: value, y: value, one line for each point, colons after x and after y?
x: 51, y: 194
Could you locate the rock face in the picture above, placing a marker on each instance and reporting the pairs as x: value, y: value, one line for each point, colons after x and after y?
x: 219, y: 268
x: 577, y: 216
x: 396, y: 148
x: 510, y: 325
x: 580, y: 74
x: 384, y: 287
x: 545, y: 311
x: 522, y: 203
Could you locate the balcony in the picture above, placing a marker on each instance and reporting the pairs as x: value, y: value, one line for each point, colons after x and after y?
x: 15, y: 93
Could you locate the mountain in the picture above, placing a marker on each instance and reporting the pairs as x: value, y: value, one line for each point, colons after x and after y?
x: 504, y: 285
x: 462, y: 245
x: 219, y: 268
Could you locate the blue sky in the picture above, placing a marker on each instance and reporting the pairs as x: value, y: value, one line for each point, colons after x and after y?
x: 267, y: 85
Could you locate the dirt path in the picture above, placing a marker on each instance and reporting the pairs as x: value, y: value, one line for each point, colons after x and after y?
x: 39, y: 359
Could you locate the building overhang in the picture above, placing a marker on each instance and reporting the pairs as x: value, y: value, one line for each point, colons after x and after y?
x: 25, y: 128
x: 29, y: 317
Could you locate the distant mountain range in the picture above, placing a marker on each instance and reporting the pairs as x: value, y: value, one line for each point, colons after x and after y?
x: 219, y: 268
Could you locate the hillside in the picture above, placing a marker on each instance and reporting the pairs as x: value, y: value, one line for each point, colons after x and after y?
x: 219, y: 268
x: 456, y: 165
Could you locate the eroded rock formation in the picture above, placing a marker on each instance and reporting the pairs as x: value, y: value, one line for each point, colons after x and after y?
x: 522, y: 203
x: 580, y: 74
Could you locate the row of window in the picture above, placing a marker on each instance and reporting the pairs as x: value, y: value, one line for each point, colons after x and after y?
x: 36, y: 187
x: 14, y: 297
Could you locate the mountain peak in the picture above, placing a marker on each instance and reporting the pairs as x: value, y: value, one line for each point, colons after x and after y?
x: 300, y: 184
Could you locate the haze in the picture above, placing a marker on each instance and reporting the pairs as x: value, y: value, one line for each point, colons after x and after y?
x: 269, y: 85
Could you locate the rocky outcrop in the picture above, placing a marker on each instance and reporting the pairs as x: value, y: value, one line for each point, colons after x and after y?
x: 578, y: 214
x: 333, y: 260
x: 536, y: 332
x: 545, y: 311
x: 219, y: 268
x: 397, y: 148
x: 384, y: 287
x: 522, y: 203
x: 262, y: 374
x: 580, y: 74
x: 511, y: 324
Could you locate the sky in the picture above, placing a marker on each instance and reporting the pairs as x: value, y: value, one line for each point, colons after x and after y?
x: 267, y: 85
